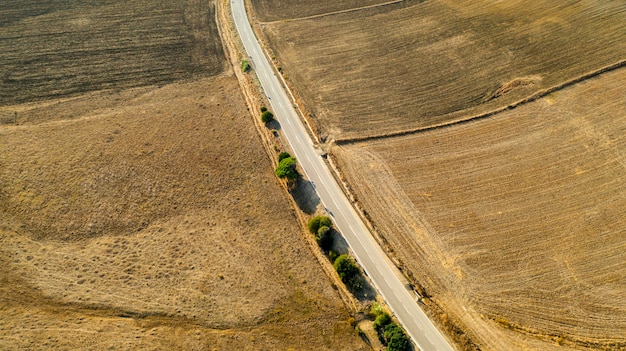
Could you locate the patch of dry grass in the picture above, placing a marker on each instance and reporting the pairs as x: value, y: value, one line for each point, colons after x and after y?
x: 155, y: 222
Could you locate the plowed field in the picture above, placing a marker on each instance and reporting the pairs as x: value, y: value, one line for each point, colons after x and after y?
x: 58, y: 48
x: 516, y: 223
x: 413, y: 64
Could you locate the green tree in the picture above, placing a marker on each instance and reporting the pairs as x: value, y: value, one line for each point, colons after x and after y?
x: 348, y: 272
x: 391, y: 330
x: 263, y: 109
x: 399, y: 342
x: 381, y: 321
x: 317, y: 222
x: 283, y: 155
x: 287, y: 169
x: 267, y: 117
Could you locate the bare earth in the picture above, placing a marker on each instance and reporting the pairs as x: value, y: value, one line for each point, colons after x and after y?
x: 514, y: 224
x: 143, y: 216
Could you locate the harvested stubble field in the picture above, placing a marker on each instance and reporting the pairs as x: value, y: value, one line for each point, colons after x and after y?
x: 515, y: 224
x: 280, y: 10
x: 58, y: 48
x: 149, y: 217
x: 412, y: 64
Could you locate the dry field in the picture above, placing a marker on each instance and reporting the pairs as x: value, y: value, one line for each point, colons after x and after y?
x: 280, y: 10
x: 413, y: 64
x: 58, y: 48
x: 145, y: 217
x: 515, y: 224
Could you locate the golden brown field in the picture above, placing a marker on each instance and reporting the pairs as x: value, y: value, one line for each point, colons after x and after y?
x: 514, y: 224
x: 57, y: 48
x: 280, y: 10
x: 413, y: 64
x: 147, y: 217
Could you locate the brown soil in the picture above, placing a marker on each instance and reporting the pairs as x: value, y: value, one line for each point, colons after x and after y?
x: 513, y: 224
x: 150, y: 218
x: 414, y: 64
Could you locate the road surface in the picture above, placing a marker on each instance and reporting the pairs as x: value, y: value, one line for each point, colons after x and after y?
x: 366, y: 251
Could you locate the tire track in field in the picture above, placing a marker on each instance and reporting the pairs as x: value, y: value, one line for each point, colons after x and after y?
x: 335, y: 12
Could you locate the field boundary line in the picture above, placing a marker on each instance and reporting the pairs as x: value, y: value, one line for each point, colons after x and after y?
x: 334, y: 12
x: 531, y: 98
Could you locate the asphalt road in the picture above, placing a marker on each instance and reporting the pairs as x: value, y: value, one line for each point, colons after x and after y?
x: 366, y: 251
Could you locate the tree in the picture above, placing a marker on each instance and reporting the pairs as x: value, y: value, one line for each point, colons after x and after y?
x: 317, y: 222
x: 399, y: 342
x: 391, y: 330
x: 287, y: 169
x: 263, y: 109
x: 381, y: 321
x: 267, y: 116
x: 348, y: 272
x: 283, y: 155
x: 324, y: 238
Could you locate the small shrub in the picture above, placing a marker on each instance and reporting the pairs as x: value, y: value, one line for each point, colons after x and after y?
x: 319, y: 221
x: 375, y: 309
x: 263, y: 109
x: 283, y: 155
x: 267, y: 117
x: 245, y: 66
